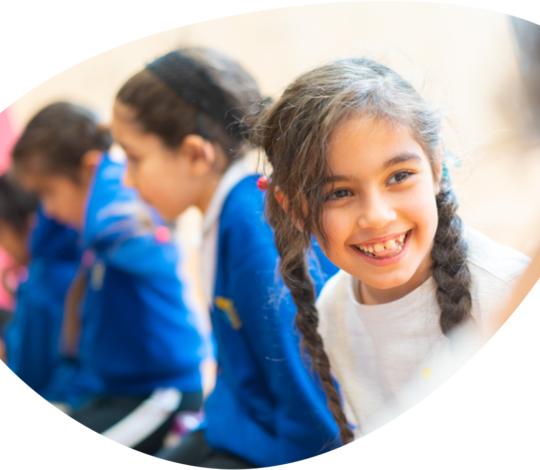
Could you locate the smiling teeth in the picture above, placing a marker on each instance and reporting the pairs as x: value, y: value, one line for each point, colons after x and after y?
x: 394, y: 246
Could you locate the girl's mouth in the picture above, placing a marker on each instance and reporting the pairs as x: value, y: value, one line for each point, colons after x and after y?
x: 384, y: 249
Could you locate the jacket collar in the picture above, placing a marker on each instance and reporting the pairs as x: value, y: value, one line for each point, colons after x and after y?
x: 234, y: 174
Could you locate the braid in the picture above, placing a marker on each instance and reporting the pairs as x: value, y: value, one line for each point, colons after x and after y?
x: 450, y: 269
x: 71, y: 326
x: 295, y: 274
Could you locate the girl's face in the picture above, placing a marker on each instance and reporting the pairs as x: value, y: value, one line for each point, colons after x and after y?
x: 380, y: 214
x: 62, y: 198
x: 163, y: 177
x: 15, y: 243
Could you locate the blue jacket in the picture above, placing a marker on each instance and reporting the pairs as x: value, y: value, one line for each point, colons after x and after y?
x: 266, y: 407
x: 33, y: 336
x: 139, y: 329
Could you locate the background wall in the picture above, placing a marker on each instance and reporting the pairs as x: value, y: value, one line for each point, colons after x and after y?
x: 461, y: 58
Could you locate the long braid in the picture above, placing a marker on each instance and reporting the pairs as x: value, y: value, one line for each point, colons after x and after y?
x: 295, y: 274
x: 450, y: 269
x: 71, y: 326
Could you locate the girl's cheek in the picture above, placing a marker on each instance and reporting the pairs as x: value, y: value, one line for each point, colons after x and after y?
x: 337, y: 224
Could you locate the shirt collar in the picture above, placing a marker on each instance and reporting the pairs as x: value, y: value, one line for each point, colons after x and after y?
x: 234, y: 174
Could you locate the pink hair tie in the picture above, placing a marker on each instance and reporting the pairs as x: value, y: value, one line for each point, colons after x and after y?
x: 88, y: 257
x: 163, y: 234
x: 262, y: 183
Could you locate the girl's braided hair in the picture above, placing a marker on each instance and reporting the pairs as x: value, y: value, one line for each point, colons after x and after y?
x: 295, y: 133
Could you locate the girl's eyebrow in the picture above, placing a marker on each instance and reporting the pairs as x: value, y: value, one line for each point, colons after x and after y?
x: 335, y: 178
x: 393, y: 161
x: 400, y: 159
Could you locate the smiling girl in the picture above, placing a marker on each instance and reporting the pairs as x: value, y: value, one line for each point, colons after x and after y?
x: 358, y: 163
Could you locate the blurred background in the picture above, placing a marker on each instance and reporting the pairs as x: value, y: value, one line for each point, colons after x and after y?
x: 460, y: 58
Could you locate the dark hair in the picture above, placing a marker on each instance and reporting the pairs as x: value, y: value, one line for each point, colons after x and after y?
x: 57, y: 137
x: 295, y: 133
x: 16, y: 204
x: 210, y: 99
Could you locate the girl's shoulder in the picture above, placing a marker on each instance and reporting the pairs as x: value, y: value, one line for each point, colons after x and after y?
x: 487, y: 259
x: 243, y: 208
x: 334, y: 292
x: 113, y: 210
x: 245, y: 195
x: 495, y: 269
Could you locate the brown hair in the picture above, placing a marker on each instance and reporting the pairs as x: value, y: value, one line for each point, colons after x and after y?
x: 57, y: 137
x: 16, y: 204
x: 161, y: 110
x: 295, y: 133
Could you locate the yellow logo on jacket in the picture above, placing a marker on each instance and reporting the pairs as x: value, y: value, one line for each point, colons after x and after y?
x: 227, y: 306
x: 97, y: 275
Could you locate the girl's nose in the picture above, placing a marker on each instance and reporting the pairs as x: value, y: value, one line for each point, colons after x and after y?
x: 376, y: 212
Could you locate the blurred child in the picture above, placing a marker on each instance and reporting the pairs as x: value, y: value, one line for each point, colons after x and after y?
x: 179, y: 121
x: 135, y: 329
x: 50, y: 254
x: 357, y: 162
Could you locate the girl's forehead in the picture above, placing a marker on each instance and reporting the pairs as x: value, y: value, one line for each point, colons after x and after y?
x: 371, y: 142
x: 125, y: 128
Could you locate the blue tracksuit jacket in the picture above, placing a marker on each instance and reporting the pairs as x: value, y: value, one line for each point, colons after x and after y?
x: 139, y: 329
x: 34, y: 335
x: 266, y: 407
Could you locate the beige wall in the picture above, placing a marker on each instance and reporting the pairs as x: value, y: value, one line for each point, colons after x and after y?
x: 460, y: 57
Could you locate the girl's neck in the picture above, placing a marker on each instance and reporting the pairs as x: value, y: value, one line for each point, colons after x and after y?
x: 210, y: 181
x: 207, y: 192
x: 369, y: 295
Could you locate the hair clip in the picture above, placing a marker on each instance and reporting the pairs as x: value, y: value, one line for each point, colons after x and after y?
x: 163, y: 234
x: 87, y: 259
x: 262, y: 183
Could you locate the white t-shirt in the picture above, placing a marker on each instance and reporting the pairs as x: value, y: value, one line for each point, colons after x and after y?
x: 383, y: 355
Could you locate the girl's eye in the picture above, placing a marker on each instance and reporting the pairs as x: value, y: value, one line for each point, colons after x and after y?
x: 339, y: 194
x: 399, y: 177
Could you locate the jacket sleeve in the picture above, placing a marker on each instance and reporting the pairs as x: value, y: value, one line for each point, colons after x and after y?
x: 129, y: 236
x: 32, y: 340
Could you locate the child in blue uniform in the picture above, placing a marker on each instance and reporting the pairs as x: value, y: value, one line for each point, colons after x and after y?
x: 50, y: 252
x: 179, y: 121
x: 32, y: 337
x: 138, y: 332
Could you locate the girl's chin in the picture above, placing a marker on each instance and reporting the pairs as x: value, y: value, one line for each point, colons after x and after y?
x: 396, y: 282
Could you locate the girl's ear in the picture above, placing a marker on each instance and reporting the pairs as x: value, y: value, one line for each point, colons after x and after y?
x: 91, y: 158
x: 284, y: 203
x: 281, y: 199
x: 89, y: 162
x: 200, y: 152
